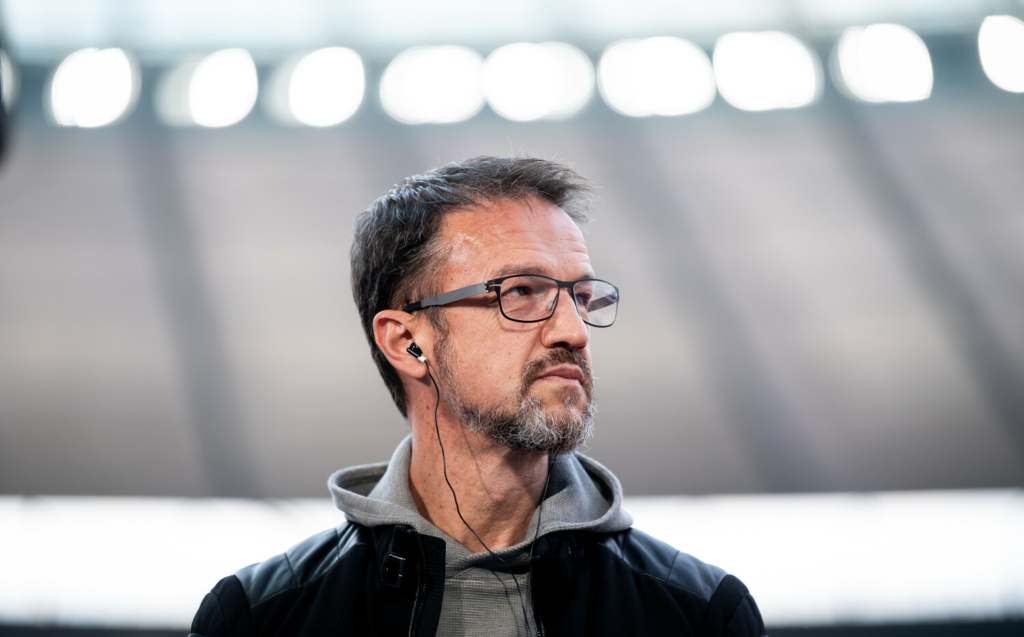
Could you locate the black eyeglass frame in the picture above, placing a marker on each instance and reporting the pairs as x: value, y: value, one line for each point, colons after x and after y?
x: 494, y: 285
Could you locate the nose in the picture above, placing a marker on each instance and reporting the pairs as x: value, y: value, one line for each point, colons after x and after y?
x: 565, y: 328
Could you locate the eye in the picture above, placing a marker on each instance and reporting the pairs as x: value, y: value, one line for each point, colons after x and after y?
x: 518, y: 290
x: 584, y: 293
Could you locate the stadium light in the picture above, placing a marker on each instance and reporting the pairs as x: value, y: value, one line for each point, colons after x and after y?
x: 223, y: 88
x: 216, y: 91
x: 8, y: 82
x: 93, y: 87
x: 657, y: 76
x: 170, y: 98
x: 323, y: 88
x: 883, y: 63
x: 766, y: 70
x: 1001, y: 47
x: 435, y: 85
x: 524, y: 82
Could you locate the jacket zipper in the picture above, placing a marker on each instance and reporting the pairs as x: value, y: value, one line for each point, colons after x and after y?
x: 421, y: 589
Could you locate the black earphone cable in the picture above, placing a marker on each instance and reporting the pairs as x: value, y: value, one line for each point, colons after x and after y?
x: 444, y: 466
x: 540, y: 513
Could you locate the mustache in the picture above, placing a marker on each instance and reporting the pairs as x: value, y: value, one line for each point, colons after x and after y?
x: 536, y: 368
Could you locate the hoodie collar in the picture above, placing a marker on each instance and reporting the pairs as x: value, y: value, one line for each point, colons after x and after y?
x: 582, y: 496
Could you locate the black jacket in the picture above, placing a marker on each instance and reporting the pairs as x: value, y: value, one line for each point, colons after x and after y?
x: 389, y: 580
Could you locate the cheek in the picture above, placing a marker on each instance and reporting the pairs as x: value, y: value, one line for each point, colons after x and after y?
x: 490, y: 356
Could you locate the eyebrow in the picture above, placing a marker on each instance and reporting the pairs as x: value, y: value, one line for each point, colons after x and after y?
x: 531, y: 269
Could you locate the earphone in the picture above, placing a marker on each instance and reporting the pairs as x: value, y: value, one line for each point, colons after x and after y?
x: 415, y: 351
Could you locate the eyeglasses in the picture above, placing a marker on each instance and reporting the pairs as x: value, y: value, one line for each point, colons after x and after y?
x: 531, y: 298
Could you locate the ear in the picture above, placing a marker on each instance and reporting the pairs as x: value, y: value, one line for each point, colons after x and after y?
x: 394, y: 332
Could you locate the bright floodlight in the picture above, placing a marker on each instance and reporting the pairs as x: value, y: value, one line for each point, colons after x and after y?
x: 8, y: 82
x: 656, y: 76
x: 326, y: 87
x: 93, y: 87
x: 170, y: 97
x: 322, y: 88
x: 766, y: 70
x: 1001, y: 45
x: 222, y: 89
x: 883, y: 63
x: 577, y: 79
x: 437, y: 85
x: 532, y: 81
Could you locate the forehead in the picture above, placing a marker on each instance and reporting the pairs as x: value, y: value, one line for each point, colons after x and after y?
x: 486, y: 240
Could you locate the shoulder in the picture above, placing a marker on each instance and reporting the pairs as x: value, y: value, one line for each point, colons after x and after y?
x: 730, y: 608
x: 302, y: 563
x: 650, y: 556
x: 226, y: 609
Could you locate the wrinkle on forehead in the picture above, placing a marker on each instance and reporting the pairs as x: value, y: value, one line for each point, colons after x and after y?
x: 460, y: 244
x: 484, y: 238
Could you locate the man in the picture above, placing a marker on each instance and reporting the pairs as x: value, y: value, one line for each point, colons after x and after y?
x: 477, y: 295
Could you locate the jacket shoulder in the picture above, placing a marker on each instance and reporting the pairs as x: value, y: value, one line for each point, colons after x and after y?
x: 730, y: 610
x: 302, y: 563
x: 226, y: 610
x: 651, y: 556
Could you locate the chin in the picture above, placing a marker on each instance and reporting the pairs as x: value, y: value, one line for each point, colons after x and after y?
x: 562, y: 399
x: 563, y: 413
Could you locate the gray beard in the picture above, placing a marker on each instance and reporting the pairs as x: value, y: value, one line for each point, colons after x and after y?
x: 526, y: 427
x: 531, y: 428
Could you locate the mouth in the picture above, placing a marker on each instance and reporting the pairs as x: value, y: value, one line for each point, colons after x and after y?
x: 565, y: 374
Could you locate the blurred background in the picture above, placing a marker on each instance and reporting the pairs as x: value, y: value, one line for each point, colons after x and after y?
x: 814, y: 210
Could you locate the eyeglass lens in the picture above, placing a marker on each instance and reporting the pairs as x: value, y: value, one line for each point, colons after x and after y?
x: 533, y: 298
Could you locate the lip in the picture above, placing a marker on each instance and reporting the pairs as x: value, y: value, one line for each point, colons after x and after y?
x: 564, y: 372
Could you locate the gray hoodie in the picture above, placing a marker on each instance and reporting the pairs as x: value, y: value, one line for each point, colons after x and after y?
x: 480, y: 597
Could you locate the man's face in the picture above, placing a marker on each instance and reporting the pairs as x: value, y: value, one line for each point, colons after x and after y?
x: 526, y: 385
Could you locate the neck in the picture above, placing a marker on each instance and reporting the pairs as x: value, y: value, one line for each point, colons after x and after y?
x: 498, y: 489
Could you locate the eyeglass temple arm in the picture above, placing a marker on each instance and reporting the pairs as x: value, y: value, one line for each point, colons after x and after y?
x: 448, y: 297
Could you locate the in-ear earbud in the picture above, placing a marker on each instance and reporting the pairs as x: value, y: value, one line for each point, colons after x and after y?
x: 415, y: 350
